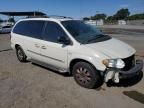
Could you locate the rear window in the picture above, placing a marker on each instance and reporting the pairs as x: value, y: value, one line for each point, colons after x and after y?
x: 29, y: 28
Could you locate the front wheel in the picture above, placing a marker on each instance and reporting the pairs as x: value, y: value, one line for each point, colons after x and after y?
x: 20, y: 54
x: 86, y: 75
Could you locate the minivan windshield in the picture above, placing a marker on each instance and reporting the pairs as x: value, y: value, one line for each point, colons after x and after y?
x: 84, y: 33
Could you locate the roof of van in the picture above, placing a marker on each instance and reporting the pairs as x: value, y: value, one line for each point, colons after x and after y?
x: 48, y: 19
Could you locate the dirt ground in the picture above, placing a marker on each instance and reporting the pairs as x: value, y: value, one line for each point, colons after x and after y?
x: 26, y: 85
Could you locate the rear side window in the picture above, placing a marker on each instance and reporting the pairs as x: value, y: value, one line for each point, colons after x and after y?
x: 30, y: 28
x: 52, y: 32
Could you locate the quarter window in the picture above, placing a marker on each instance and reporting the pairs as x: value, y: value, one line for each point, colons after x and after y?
x: 30, y: 28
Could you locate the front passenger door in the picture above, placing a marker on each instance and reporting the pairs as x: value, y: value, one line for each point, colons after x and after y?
x: 53, y: 52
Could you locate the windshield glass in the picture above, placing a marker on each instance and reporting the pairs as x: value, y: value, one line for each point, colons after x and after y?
x: 82, y: 32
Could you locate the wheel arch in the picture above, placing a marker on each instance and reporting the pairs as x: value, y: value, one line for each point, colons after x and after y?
x: 16, y: 45
x: 74, y: 61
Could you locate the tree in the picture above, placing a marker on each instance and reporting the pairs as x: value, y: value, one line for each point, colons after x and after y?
x: 136, y: 16
x: 99, y: 16
x: 86, y: 18
x: 11, y: 20
x: 110, y: 18
x: 122, y: 14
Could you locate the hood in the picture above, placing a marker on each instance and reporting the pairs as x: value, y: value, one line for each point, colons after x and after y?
x: 113, y: 48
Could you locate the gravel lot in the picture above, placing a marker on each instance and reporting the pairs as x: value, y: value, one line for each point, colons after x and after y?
x: 31, y: 86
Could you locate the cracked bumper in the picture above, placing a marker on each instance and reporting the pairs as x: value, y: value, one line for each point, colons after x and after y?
x: 136, y: 70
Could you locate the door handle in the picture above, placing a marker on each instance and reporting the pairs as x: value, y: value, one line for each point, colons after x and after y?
x: 43, y: 47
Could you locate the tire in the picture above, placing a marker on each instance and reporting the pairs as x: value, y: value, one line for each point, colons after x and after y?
x: 21, y: 55
x: 86, y: 75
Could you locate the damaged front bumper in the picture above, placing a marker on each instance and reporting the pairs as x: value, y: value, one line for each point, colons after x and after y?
x: 117, y: 74
x: 133, y: 71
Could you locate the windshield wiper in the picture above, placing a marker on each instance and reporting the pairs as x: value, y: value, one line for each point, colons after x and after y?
x: 97, y: 36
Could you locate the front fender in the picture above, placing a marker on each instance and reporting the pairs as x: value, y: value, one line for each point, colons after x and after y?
x: 93, y: 60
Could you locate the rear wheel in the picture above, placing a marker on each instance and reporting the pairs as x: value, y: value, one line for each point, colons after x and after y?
x: 86, y: 75
x: 20, y: 54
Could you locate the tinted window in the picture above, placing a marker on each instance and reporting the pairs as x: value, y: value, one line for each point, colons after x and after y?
x: 84, y: 33
x: 52, y: 32
x: 29, y: 28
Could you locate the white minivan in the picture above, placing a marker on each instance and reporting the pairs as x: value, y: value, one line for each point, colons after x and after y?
x: 68, y: 45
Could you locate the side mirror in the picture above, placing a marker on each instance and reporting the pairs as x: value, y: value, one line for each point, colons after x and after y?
x: 64, y: 40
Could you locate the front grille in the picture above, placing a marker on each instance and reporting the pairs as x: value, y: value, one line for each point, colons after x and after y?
x: 129, y: 63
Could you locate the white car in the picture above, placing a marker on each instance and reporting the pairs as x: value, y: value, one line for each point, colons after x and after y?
x: 5, y: 29
x: 69, y: 45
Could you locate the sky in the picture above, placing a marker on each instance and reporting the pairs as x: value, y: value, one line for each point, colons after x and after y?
x: 73, y: 8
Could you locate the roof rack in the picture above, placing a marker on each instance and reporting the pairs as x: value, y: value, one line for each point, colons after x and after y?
x: 44, y: 16
x: 56, y: 16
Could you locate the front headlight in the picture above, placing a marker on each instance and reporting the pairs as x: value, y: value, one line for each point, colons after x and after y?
x: 115, y: 63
